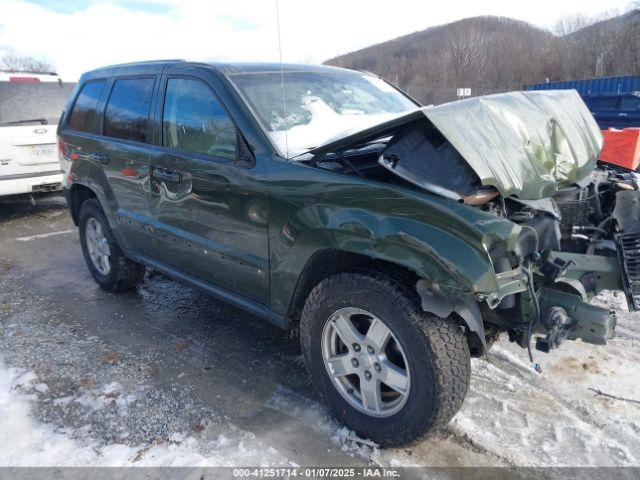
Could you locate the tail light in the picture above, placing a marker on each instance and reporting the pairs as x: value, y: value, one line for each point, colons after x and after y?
x: 63, y: 154
x: 24, y: 79
x: 61, y: 149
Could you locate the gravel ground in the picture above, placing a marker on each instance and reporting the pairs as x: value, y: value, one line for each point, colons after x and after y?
x: 163, y: 375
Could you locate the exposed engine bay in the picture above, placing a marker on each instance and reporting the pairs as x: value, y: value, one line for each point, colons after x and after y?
x: 598, y: 217
x: 596, y: 226
x: 580, y: 224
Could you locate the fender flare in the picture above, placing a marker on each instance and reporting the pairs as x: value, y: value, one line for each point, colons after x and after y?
x: 434, y: 301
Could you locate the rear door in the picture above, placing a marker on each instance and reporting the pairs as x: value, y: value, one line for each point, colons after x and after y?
x: 124, y: 155
x: 210, y: 208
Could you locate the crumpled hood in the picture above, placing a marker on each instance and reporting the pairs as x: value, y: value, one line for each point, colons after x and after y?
x: 525, y: 144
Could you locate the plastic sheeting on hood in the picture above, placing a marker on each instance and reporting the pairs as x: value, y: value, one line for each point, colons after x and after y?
x: 526, y: 144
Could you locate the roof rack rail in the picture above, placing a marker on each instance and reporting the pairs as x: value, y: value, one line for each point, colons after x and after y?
x: 146, y: 62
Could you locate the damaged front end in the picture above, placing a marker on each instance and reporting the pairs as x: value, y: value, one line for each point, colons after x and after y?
x: 529, y: 159
x: 588, y: 241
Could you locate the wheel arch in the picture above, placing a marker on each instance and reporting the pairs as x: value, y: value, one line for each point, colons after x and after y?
x: 324, y: 263
x: 78, y: 194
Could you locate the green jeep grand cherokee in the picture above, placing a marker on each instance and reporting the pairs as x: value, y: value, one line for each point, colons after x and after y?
x: 400, y: 240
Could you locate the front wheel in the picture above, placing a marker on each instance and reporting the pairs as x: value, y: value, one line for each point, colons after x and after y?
x: 388, y: 370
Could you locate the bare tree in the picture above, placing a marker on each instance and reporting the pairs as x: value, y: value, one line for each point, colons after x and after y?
x: 16, y: 63
x: 568, y: 24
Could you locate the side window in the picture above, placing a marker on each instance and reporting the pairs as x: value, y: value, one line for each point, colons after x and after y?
x: 630, y: 103
x: 195, y: 121
x: 83, y: 115
x: 604, y: 103
x: 127, y: 112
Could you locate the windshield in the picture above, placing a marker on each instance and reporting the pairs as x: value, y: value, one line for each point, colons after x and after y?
x: 320, y: 105
x: 32, y: 103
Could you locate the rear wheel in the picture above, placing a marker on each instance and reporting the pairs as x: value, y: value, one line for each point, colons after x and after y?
x: 389, y: 371
x: 108, y: 265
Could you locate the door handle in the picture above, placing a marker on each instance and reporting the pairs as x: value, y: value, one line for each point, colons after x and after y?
x: 99, y: 157
x: 167, y: 175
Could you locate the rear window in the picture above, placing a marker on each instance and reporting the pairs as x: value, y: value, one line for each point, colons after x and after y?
x: 630, y: 103
x: 127, y: 112
x: 33, y: 103
x: 83, y: 116
x: 604, y: 103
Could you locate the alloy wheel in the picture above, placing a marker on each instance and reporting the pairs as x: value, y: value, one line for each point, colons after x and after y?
x: 98, y: 246
x: 365, y: 362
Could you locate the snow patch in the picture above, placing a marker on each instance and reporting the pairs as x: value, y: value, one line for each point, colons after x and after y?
x: 110, y: 395
x: 43, y: 235
x: 553, y: 418
x: 41, y: 387
x: 26, y: 442
x: 317, y: 416
x: 62, y: 401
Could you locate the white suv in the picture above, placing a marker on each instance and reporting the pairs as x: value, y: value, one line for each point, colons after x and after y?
x: 30, y: 106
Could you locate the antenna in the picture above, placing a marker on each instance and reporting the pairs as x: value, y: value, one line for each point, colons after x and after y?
x: 284, y: 103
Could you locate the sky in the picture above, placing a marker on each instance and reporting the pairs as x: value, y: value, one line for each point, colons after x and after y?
x: 79, y: 35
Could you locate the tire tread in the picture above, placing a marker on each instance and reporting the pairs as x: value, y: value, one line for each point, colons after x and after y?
x: 445, y: 341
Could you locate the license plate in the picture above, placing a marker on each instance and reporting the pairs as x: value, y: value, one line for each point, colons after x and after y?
x: 39, y: 151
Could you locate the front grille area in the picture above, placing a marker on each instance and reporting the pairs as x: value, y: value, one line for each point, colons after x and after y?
x: 629, y: 248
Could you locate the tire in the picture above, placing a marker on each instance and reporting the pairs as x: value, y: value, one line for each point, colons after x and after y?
x: 434, y: 351
x: 121, y: 273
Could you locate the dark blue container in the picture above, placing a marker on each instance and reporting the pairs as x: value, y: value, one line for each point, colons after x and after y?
x: 593, y: 86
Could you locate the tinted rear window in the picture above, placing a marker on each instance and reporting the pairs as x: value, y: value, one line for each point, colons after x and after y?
x: 127, y: 112
x: 29, y: 101
x: 604, y: 103
x: 630, y: 103
x: 83, y: 116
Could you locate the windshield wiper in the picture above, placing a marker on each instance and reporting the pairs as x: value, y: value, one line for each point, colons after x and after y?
x: 306, y: 150
x: 41, y: 121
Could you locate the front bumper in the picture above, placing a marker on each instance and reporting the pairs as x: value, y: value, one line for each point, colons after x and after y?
x: 583, y: 277
x: 568, y: 288
x: 591, y: 324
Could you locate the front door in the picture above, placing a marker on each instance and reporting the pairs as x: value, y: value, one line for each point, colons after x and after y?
x: 210, y: 212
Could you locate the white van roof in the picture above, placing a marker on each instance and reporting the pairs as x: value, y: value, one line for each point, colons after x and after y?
x: 33, y: 100
x: 28, y: 77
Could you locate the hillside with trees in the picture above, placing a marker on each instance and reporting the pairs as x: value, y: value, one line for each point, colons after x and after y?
x: 496, y: 54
